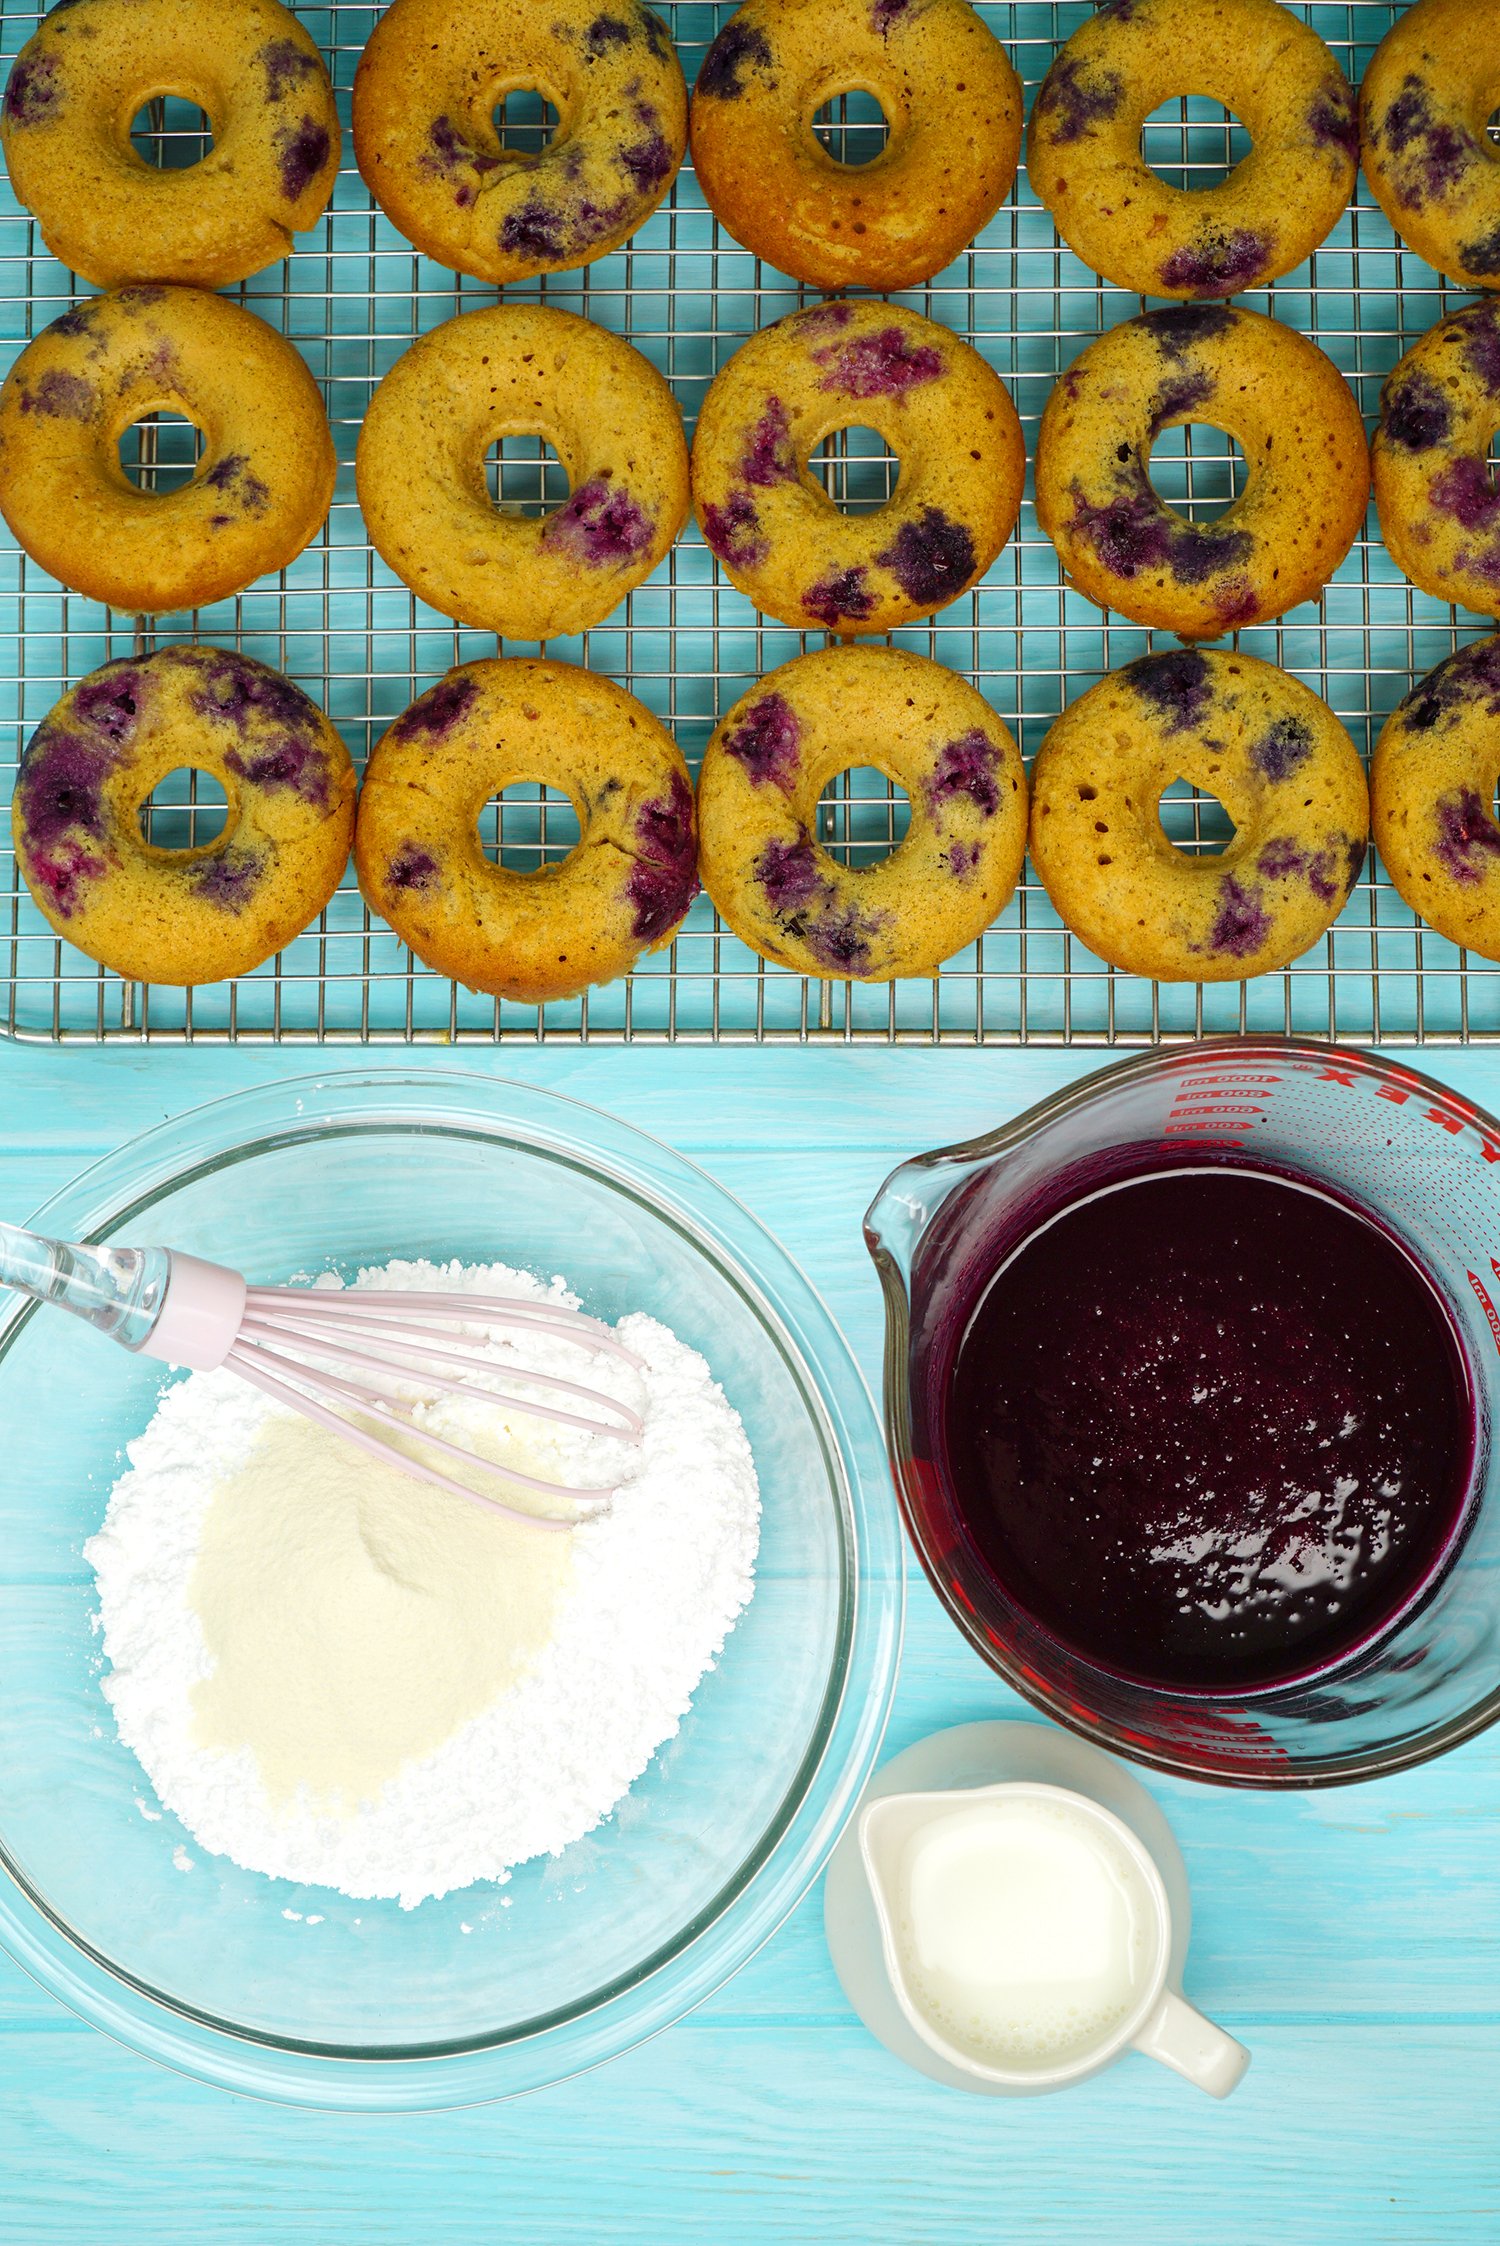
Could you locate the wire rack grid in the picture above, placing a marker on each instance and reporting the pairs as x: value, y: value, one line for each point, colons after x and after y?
x: 352, y: 297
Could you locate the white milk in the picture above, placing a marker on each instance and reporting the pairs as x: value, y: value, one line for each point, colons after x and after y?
x: 1027, y: 1933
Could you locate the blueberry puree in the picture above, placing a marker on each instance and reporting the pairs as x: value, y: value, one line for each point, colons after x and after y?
x: 968, y: 767
x: 884, y: 365
x: 66, y: 397
x: 1283, y: 748
x: 931, y: 560
x: 1466, y: 835
x: 33, y: 96
x: 1206, y: 1428
x: 768, y: 456
x: 737, y: 47
x: 1176, y: 685
x: 298, y: 765
x: 1135, y: 532
x: 842, y: 593
x: 60, y: 786
x: 766, y: 740
x: 1074, y: 105
x: 1217, y: 264
x: 1415, y: 413
x: 412, y: 868
x: 733, y: 530
x: 110, y: 703
x: 436, y: 712
x: 301, y: 154
x: 788, y: 873
x: 601, y: 522
x: 1241, y: 924
x: 664, y: 879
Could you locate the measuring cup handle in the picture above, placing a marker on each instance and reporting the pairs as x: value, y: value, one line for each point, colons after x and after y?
x: 1183, y: 2040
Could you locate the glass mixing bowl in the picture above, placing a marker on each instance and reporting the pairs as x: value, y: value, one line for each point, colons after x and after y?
x: 492, y: 1990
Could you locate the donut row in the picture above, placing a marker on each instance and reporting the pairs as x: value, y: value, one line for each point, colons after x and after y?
x: 428, y: 148
x: 1243, y: 731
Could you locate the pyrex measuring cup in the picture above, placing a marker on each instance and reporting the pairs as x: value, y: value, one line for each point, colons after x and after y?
x: 1425, y: 1163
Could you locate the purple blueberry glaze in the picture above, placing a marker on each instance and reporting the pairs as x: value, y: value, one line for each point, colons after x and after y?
x: 301, y: 153
x: 1481, y: 328
x: 286, y: 65
x: 33, y: 95
x: 1283, y: 748
x: 235, y: 689
x: 969, y: 766
x: 733, y: 530
x: 412, y: 868
x: 788, y: 873
x: 1179, y: 328
x: 664, y: 879
x: 1241, y: 924
x: 1332, y: 120
x: 601, y: 523
x: 1466, y: 835
x: 435, y: 713
x: 110, y: 702
x: 738, y: 47
x: 766, y: 741
x: 59, y: 786
x: 1464, y: 490
x: 1074, y: 105
x: 66, y: 397
x: 1180, y: 395
x: 884, y: 365
x: 1218, y: 263
x: 1415, y: 413
x: 1177, y: 686
x: 1483, y: 254
x: 606, y: 32
x: 63, y: 876
x: 843, y: 592
x: 534, y: 230
x: 840, y: 938
x: 768, y: 456
x: 961, y: 858
x: 298, y: 765
x: 228, y: 882
x: 931, y: 560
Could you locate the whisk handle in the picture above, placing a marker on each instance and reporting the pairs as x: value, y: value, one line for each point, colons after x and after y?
x: 117, y: 1291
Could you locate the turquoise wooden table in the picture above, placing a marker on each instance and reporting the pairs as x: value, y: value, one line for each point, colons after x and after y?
x: 1351, y: 1938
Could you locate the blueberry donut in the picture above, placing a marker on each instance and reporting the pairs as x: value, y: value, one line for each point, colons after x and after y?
x: 425, y: 138
x: 1432, y: 785
x: 1439, y: 509
x: 1426, y: 100
x: 528, y: 936
x: 1307, y: 462
x: 107, y: 213
x: 260, y: 490
x: 1083, y: 148
x: 952, y: 106
x: 183, y: 916
x: 947, y: 418
x: 1276, y: 758
x: 767, y: 765
x: 609, y: 417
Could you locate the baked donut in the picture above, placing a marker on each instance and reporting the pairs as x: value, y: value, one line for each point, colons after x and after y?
x: 527, y: 369
x: 1426, y: 100
x: 529, y: 936
x: 1307, y: 461
x: 1439, y: 510
x: 107, y: 213
x: 1083, y: 147
x: 260, y: 490
x: 1432, y: 785
x: 196, y: 915
x: 1277, y: 759
x: 952, y: 104
x: 779, y: 535
x: 427, y: 148
x: 769, y: 761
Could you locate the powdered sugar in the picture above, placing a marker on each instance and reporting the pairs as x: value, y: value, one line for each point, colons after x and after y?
x: 654, y: 1588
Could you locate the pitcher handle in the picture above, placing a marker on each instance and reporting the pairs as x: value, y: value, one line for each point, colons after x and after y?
x: 1192, y: 2046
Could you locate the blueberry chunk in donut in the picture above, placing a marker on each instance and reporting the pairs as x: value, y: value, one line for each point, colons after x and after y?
x: 1439, y: 507
x: 1433, y: 780
x: 1424, y: 109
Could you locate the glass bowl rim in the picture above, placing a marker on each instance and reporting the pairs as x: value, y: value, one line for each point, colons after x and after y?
x: 822, y: 1791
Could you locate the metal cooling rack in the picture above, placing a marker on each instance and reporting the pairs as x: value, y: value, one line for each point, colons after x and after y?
x: 354, y: 295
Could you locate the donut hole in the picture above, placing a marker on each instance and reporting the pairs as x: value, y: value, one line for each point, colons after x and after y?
x: 185, y: 810
x: 862, y: 816
x: 1197, y: 469
x: 525, y: 476
x: 1193, y: 822
x: 857, y: 469
x: 161, y: 451
x: 171, y: 134
x: 1193, y: 141
x: 528, y: 826
x: 524, y: 121
x: 851, y: 129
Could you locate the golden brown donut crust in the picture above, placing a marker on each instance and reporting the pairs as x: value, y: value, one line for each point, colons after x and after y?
x: 1433, y: 781
x: 1427, y: 97
x: 1439, y: 510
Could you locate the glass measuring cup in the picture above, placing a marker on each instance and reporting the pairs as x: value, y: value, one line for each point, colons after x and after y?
x: 1425, y: 1163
